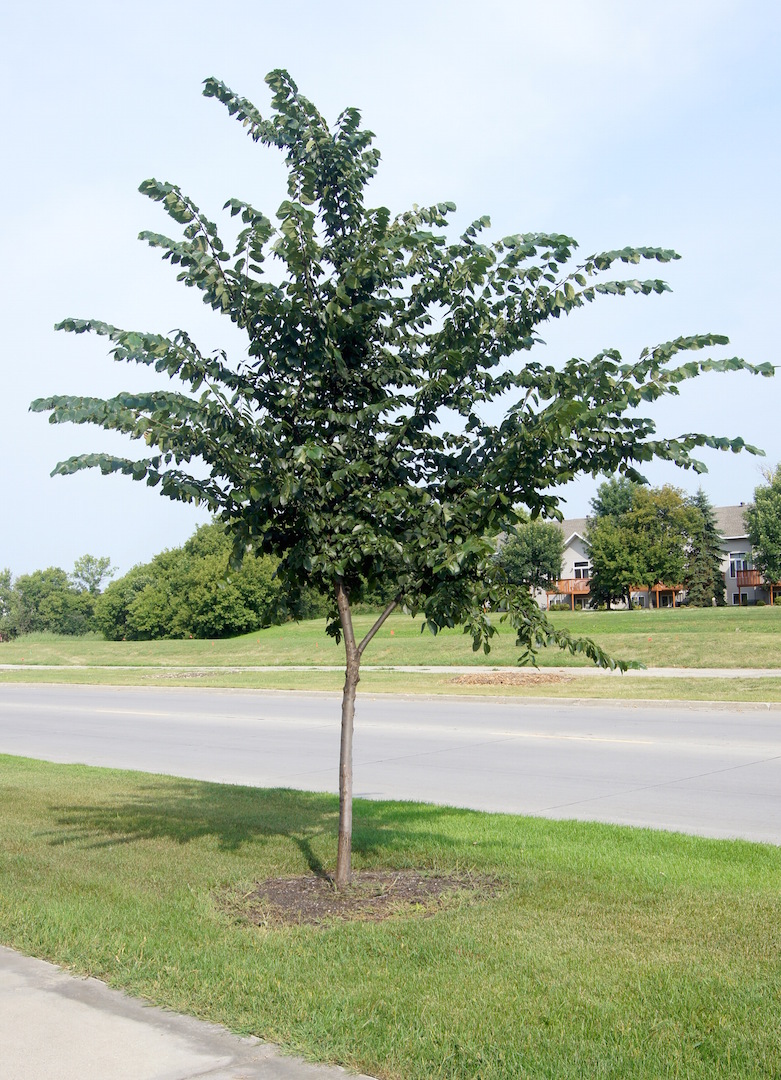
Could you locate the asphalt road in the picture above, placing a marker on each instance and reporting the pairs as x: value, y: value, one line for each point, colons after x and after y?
x: 713, y: 770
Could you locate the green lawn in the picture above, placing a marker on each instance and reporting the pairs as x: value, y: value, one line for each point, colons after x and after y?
x: 615, y: 687
x: 685, y: 637
x: 608, y: 952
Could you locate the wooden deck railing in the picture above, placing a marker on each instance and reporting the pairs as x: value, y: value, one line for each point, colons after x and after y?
x: 570, y: 586
x: 748, y: 579
x: 755, y: 579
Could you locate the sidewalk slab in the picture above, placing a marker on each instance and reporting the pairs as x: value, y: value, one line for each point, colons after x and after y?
x: 415, y: 669
x: 62, y: 1027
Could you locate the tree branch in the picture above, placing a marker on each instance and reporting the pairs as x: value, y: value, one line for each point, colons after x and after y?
x: 345, y: 618
x: 391, y: 606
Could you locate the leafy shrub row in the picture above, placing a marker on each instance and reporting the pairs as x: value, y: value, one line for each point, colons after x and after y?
x: 192, y: 592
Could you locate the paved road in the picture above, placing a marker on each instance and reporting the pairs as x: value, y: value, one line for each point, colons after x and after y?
x: 714, y: 770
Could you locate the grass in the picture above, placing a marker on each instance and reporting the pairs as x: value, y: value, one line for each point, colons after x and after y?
x: 597, y: 687
x: 686, y: 637
x: 609, y: 953
x: 728, y: 637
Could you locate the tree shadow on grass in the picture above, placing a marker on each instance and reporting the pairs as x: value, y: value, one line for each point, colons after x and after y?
x: 184, y: 811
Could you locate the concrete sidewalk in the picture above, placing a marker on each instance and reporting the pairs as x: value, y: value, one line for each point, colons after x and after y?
x: 58, y: 1027
x: 419, y: 669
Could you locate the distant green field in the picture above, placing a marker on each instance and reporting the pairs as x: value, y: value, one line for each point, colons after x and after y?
x: 685, y: 637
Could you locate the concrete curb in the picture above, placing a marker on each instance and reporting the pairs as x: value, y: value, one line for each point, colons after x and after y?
x: 63, y: 1027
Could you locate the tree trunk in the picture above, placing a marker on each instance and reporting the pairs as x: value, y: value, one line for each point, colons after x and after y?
x: 344, y: 849
x: 352, y: 677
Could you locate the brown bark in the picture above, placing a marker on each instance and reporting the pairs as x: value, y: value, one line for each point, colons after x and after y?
x: 351, y: 679
x: 353, y: 654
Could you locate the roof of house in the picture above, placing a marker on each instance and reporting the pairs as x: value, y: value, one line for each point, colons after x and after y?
x: 570, y: 526
x: 730, y: 522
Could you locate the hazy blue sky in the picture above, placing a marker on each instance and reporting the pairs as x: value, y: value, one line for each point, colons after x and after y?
x: 616, y: 123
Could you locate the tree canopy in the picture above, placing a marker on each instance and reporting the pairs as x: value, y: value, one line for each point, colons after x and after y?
x: 616, y: 564
x: 641, y: 536
x: 704, y: 578
x: 663, y: 522
x: 387, y: 418
x: 531, y: 554
x: 614, y: 498
x: 47, y: 601
x: 90, y: 571
x: 763, y: 518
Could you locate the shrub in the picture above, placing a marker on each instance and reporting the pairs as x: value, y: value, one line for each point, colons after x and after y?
x: 192, y: 592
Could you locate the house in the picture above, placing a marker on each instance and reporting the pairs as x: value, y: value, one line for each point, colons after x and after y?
x: 743, y: 584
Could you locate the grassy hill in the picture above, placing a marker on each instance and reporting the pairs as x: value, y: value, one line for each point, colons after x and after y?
x: 685, y: 637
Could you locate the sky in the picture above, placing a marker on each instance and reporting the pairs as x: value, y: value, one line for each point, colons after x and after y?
x: 618, y: 124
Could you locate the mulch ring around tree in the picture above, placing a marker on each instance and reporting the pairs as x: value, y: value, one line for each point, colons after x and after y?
x: 511, y: 678
x: 372, y: 896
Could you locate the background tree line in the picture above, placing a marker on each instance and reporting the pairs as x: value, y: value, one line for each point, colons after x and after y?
x: 189, y: 591
x: 52, y: 600
x: 193, y: 591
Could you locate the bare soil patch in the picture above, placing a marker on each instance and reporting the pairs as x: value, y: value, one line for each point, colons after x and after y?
x: 313, y: 900
x: 511, y: 678
x: 191, y: 673
x: 158, y: 675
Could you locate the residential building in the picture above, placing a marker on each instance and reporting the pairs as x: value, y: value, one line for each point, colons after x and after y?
x: 743, y: 584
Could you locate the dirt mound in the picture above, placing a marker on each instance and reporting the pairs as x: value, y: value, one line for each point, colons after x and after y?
x: 511, y: 678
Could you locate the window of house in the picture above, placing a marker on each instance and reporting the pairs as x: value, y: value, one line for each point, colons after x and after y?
x: 736, y: 598
x: 738, y: 561
x: 582, y: 570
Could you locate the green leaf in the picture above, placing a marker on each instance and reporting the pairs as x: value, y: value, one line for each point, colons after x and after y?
x: 383, y: 416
